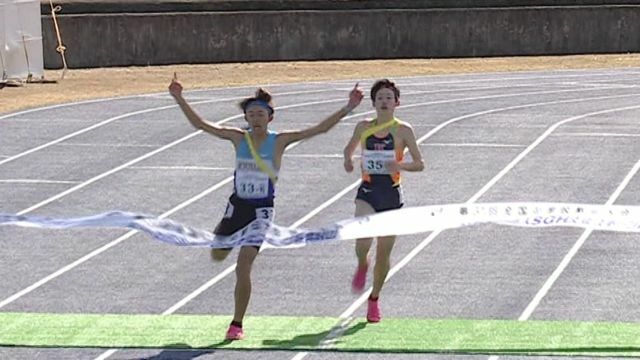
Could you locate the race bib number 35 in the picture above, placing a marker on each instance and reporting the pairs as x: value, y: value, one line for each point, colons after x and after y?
x: 374, y: 161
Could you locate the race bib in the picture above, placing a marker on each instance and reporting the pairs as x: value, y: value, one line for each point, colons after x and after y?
x: 251, y: 183
x: 265, y: 213
x: 374, y: 161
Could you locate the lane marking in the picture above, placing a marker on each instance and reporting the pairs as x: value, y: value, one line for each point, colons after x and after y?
x: 204, y: 168
x: 125, y: 115
x: 36, y: 181
x: 489, y: 145
x: 602, y: 134
x: 347, y: 315
x: 108, y: 145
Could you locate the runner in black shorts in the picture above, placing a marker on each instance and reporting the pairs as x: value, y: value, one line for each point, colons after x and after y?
x: 239, y: 213
x: 258, y: 157
x: 381, y: 191
x: 383, y: 141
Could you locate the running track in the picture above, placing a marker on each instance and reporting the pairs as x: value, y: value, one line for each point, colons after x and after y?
x: 567, y: 136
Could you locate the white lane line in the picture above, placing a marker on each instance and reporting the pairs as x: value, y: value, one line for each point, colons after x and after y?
x: 107, y: 121
x: 36, y: 181
x: 501, y: 75
x: 547, y: 133
x: 347, y: 314
x: 191, y: 98
x: 503, y: 125
x: 145, y: 96
x: 356, y: 183
x: 533, y: 75
x: 229, y: 270
x: 489, y: 145
x: 156, y: 151
x: 105, y: 247
x: 100, y: 250
x: 139, y: 112
x: 143, y: 157
x: 75, y: 103
x: 105, y: 174
x: 571, y: 254
x: 51, y: 121
x: 565, y: 261
x: 597, y: 84
x: 602, y: 134
x: 314, y: 156
x: 341, y: 123
x: 126, y: 115
x: 81, y: 131
x: 205, y: 168
x: 109, y: 145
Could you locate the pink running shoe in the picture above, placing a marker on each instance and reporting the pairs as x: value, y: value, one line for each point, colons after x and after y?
x: 373, y: 311
x: 234, y: 333
x: 359, y: 279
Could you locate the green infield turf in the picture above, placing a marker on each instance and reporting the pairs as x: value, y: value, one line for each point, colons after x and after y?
x: 394, y: 335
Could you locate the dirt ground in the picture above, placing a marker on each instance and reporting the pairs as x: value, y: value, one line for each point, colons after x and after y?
x: 81, y: 84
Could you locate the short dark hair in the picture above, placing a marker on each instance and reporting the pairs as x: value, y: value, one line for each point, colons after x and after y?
x: 384, y: 83
x: 261, y: 95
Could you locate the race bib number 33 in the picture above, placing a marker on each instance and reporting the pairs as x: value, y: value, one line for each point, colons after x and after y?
x: 250, y: 182
x: 252, y: 186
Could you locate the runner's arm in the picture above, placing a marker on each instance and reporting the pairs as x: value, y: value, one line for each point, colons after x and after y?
x: 417, y: 163
x: 225, y: 132
x: 352, y: 145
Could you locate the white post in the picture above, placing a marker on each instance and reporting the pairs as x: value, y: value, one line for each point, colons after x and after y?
x: 23, y: 56
x: 3, y: 43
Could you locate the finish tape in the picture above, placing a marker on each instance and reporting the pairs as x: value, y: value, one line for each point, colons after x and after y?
x: 410, y: 220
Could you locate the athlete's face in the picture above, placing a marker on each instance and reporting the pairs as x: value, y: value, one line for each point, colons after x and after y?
x: 385, y: 101
x: 257, y: 116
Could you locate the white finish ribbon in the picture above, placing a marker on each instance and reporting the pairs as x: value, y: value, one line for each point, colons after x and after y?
x: 410, y: 220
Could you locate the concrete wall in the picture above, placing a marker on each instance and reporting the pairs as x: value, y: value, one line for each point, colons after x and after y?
x: 153, y: 6
x: 204, y: 37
